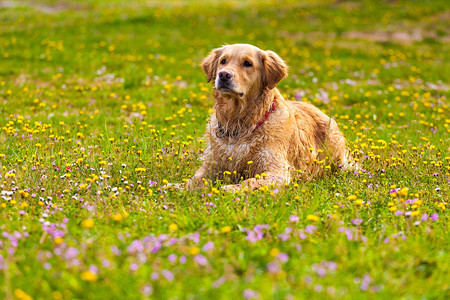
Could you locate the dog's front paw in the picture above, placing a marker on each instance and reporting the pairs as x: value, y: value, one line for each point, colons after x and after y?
x: 233, y: 188
x: 194, y: 184
x: 175, y: 186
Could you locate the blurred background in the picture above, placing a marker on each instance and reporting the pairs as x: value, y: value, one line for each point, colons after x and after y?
x: 148, y: 52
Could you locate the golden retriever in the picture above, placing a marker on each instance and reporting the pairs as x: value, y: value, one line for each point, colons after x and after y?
x: 254, y: 135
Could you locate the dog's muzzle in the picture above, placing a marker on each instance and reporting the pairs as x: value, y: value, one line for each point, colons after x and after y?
x: 225, y: 83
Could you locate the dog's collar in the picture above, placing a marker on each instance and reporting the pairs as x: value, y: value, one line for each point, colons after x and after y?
x: 271, y: 110
x: 221, y: 132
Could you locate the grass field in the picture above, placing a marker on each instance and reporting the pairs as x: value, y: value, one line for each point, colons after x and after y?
x: 103, y: 102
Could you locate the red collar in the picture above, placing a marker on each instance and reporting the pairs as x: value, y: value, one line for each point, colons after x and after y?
x: 221, y: 132
x: 271, y: 109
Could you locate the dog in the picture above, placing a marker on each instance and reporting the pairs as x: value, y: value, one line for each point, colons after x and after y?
x: 254, y: 135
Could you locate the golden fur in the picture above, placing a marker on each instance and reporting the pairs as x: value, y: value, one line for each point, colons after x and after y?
x: 296, y: 136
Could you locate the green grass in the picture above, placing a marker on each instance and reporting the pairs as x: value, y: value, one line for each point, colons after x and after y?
x: 101, y: 101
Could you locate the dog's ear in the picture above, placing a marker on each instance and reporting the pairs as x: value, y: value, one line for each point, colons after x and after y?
x: 209, y: 63
x: 275, y: 68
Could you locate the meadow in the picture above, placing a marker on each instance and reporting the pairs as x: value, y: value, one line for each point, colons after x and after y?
x: 102, y: 103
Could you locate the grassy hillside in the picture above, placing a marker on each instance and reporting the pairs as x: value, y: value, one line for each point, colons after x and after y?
x: 103, y: 102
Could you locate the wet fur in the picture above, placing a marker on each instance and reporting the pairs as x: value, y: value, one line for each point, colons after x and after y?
x: 288, y: 140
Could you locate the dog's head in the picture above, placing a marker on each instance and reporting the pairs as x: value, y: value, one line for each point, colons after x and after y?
x: 243, y: 71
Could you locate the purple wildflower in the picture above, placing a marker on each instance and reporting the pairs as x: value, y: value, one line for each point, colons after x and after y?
x: 318, y: 288
x: 310, y: 228
x: 357, y: 221
x: 200, y: 259
x: 172, y: 258
x: 349, y: 234
x: 167, y: 274
x: 106, y: 263
x: 146, y: 289
x: 283, y: 257
x: 301, y: 235
x: 434, y: 217
x: 250, y: 294
x: 208, y: 246
x: 294, y: 218
x: 71, y: 253
x: 115, y: 250
x: 135, y: 247
x: 93, y: 269
x: 182, y: 259
x: 273, y: 267
x: 365, y: 282
x: 134, y: 267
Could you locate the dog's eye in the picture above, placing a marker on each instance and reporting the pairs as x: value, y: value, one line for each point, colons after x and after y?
x: 247, y: 64
x: 223, y: 61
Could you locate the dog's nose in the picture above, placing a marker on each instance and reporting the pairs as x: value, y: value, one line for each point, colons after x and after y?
x: 225, y: 75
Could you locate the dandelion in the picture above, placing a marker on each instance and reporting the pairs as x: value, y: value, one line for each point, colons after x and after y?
x: 173, y: 227
x: 58, y: 240
x: 404, y: 192
x: 312, y: 218
x: 89, y: 276
x: 117, y: 217
x: 415, y: 213
x: 225, y: 229
x: 194, y: 250
x: 88, y: 223
x: 274, y: 252
x: 21, y: 295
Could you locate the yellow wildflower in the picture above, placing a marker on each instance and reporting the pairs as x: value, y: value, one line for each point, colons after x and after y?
x: 89, y: 276
x: 226, y: 229
x: 312, y: 218
x: 88, y: 223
